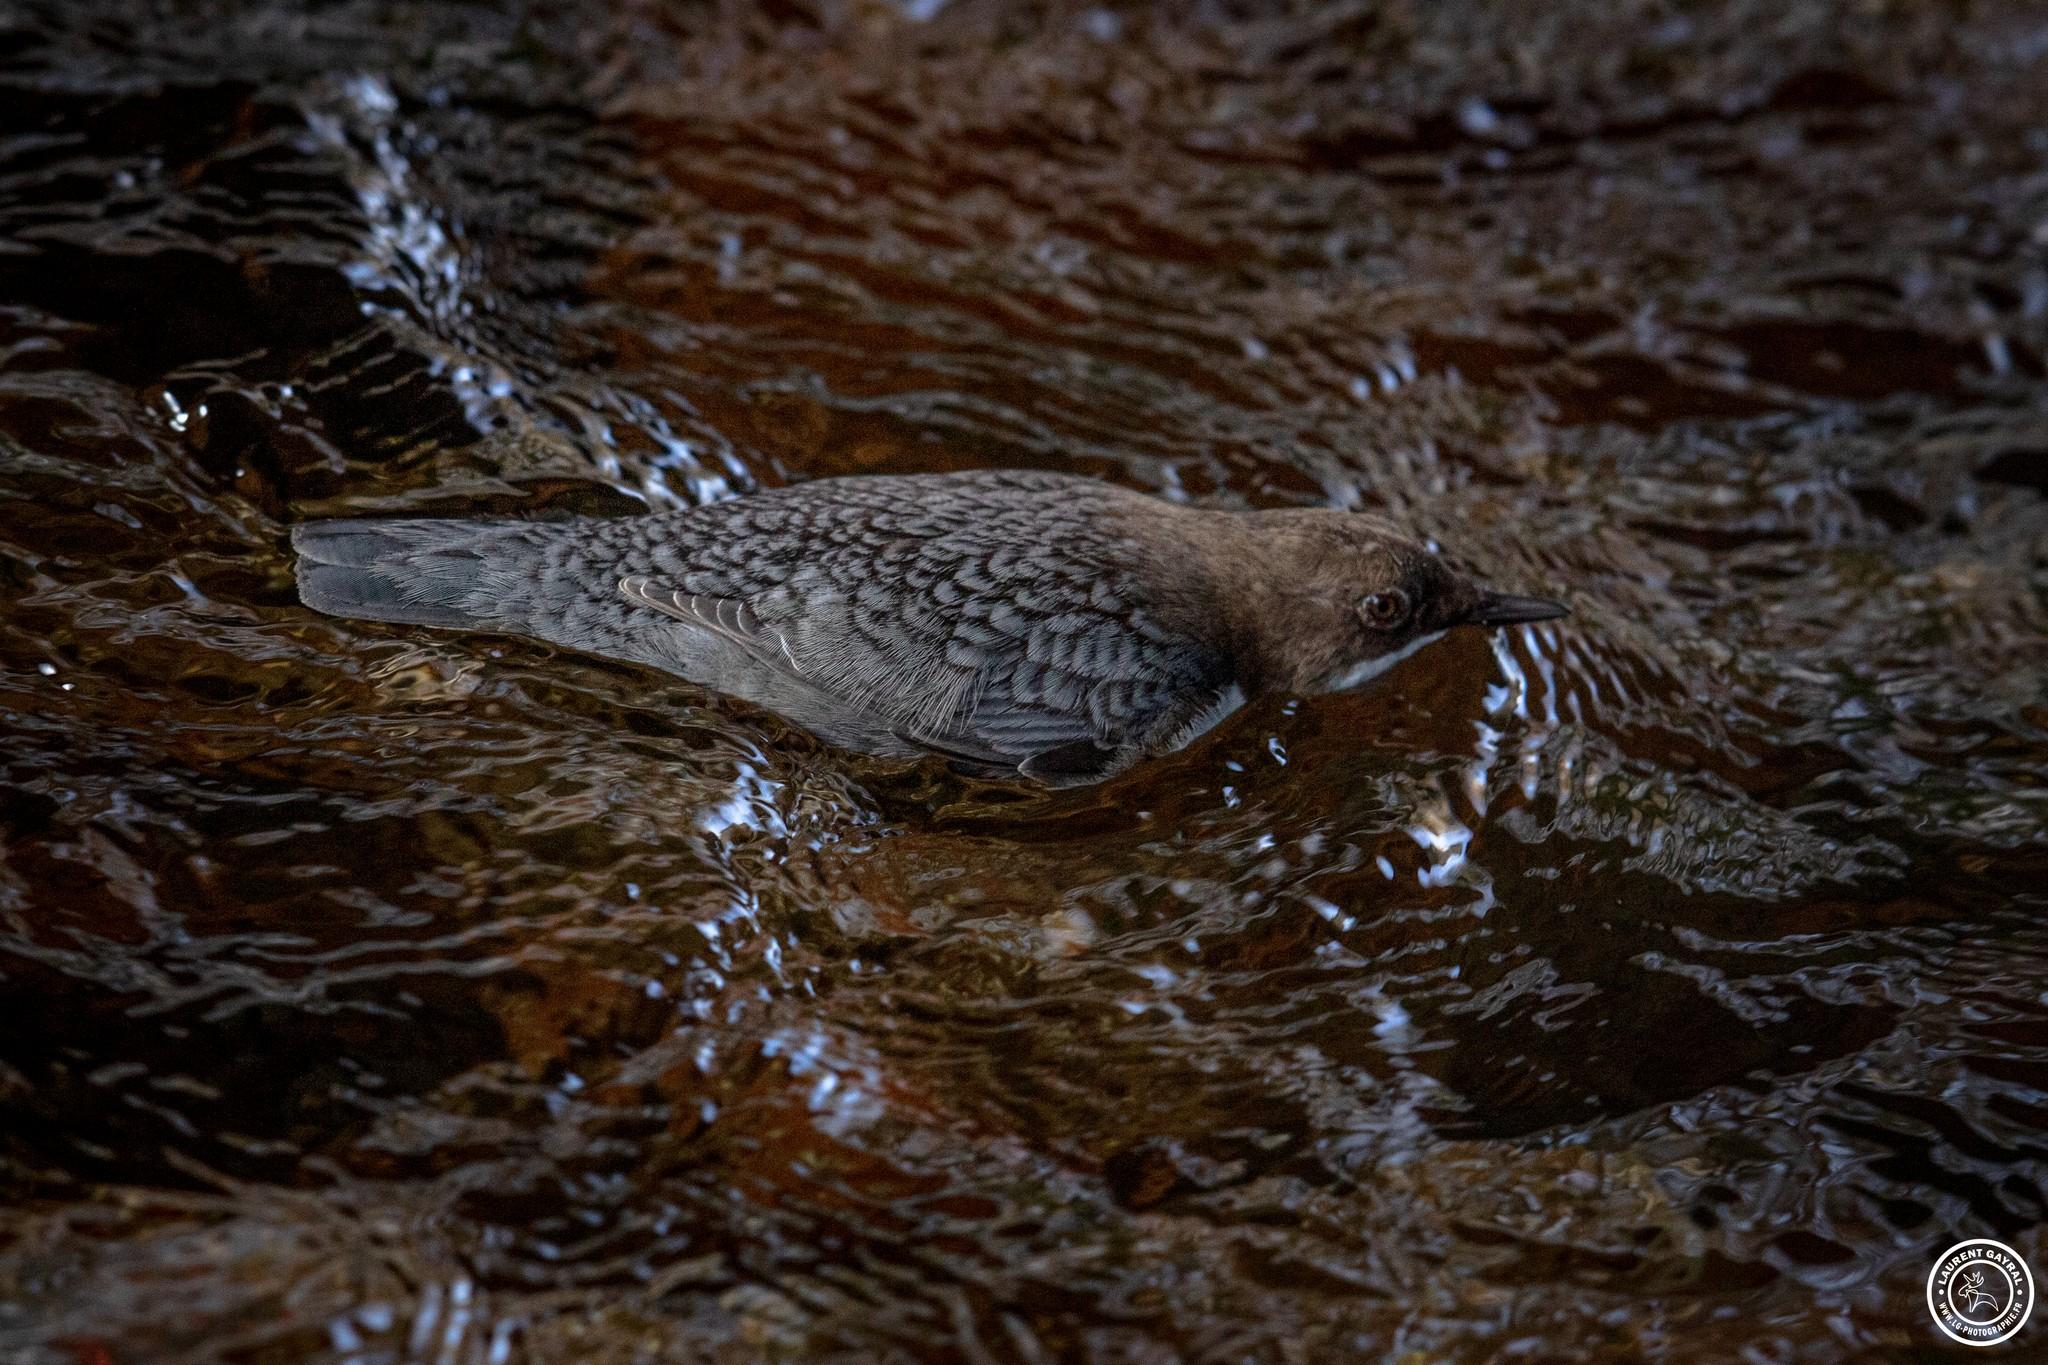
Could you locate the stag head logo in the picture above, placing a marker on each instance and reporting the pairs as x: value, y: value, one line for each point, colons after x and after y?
x: 1970, y: 1289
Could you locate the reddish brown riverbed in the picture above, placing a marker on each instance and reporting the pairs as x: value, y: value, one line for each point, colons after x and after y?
x: 1668, y: 984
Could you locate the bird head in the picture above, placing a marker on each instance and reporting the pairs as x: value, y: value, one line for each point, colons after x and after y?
x: 1340, y: 598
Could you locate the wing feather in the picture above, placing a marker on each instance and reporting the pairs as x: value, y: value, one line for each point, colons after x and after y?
x: 1014, y: 647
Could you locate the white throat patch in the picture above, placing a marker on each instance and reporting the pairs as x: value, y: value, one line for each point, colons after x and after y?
x: 1365, y: 671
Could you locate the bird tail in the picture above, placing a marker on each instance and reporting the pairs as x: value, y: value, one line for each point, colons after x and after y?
x: 465, y: 574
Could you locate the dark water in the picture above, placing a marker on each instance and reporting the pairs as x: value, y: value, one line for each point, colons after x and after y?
x: 1669, y: 984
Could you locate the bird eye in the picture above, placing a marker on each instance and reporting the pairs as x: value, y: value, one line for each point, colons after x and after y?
x: 1384, y: 610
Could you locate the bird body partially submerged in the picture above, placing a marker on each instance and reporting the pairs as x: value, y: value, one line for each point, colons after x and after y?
x: 1014, y: 621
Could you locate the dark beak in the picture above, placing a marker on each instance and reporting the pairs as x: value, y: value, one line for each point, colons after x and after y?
x: 1506, y: 609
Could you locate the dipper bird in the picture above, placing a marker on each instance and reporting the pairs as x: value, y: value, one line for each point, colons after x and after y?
x: 1016, y: 622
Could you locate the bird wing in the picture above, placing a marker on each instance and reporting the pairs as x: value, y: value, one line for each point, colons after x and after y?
x: 1007, y: 656
x: 723, y: 616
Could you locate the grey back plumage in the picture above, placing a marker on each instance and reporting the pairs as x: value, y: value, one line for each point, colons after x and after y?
x: 1003, y: 618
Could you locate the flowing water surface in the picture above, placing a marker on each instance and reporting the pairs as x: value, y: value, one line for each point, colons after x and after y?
x: 1670, y: 982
